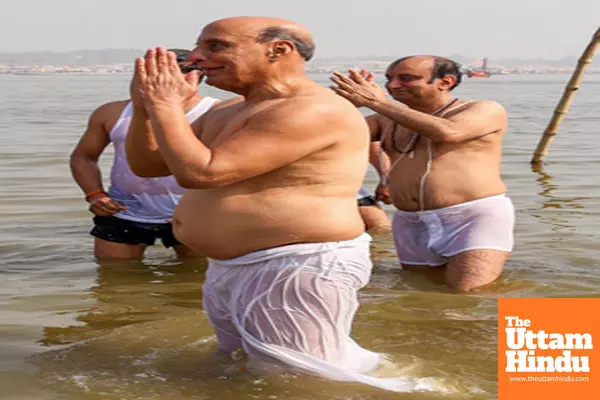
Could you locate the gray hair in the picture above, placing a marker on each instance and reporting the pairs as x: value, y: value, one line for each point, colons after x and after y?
x: 304, y: 47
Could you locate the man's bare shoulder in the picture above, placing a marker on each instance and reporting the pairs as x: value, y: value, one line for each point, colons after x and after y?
x: 385, y: 124
x: 113, y: 106
x: 313, y: 108
x: 215, y: 109
x: 489, y: 115
x: 110, y: 111
x: 221, y: 104
x: 320, y: 120
x: 106, y: 115
x: 489, y: 107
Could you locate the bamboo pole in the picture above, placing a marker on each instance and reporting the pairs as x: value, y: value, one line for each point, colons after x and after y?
x: 563, y: 105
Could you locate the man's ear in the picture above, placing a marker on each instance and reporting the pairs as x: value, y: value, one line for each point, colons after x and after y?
x: 281, y: 48
x: 447, y: 82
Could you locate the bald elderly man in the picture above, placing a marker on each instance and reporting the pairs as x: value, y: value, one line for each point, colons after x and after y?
x: 272, y: 178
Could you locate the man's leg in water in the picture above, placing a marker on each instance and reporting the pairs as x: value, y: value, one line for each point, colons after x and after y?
x: 106, y: 250
x: 119, y: 239
x: 473, y: 240
x: 465, y: 271
x: 474, y: 268
x: 481, y: 244
x: 288, y: 300
x: 215, y: 298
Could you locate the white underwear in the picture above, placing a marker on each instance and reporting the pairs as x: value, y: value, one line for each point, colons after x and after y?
x: 430, y: 237
x: 293, y: 306
x: 362, y: 193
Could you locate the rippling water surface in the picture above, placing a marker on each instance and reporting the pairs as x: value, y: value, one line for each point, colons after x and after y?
x: 72, y: 329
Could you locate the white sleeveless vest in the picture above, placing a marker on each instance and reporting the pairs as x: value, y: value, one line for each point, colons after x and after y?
x: 149, y: 200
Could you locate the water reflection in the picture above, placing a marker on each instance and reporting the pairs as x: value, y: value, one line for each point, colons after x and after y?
x: 550, y: 200
x: 144, y: 327
x: 545, y: 181
x: 126, y: 293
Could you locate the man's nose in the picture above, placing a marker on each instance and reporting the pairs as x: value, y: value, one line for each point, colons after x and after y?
x: 395, y: 84
x: 196, y: 55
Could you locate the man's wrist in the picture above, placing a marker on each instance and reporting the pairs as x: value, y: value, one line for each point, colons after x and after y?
x: 95, y: 194
x: 158, y: 110
x: 373, y: 104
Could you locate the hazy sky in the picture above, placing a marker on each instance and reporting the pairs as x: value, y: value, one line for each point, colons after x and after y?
x: 476, y: 28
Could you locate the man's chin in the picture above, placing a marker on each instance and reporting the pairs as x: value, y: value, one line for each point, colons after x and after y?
x: 401, y: 98
x: 212, y: 81
x: 400, y: 94
x: 220, y: 84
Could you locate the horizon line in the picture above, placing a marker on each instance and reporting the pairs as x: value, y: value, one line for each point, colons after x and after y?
x: 322, y: 57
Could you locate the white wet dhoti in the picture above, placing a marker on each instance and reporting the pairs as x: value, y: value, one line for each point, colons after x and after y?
x: 293, y: 306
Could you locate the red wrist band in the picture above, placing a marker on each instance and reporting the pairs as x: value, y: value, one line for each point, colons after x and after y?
x: 94, y: 193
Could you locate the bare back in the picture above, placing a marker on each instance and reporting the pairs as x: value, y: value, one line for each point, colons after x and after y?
x: 310, y: 199
x: 459, y: 171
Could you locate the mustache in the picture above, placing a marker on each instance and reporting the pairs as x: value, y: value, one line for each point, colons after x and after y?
x: 189, y: 67
x: 186, y: 69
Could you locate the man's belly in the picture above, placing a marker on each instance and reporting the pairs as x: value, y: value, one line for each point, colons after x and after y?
x: 227, y: 227
x: 444, y: 186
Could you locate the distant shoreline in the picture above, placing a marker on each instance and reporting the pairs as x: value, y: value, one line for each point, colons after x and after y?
x: 319, y: 71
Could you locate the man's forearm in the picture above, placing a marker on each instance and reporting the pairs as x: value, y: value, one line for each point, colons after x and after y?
x: 143, y: 154
x: 378, y: 167
x: 436, y: 128
x: 86, y: 174
x: 378, y: 160
x: 187, y: 157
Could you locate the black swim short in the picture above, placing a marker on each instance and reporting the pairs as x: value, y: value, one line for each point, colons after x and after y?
x: 367, y: 201
x: 117, y: 230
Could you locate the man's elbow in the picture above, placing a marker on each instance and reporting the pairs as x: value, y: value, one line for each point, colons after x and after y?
x: 193, y: 183
x: 450, y: 134
x: 79, y: 157
x: 73, y: 158
x: 199, y: 181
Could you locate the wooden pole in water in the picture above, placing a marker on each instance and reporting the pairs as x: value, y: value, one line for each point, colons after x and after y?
x: 563, y: 105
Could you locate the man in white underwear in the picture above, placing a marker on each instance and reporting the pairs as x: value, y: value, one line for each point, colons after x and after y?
x: 135, y: 211
x: 444, y: 177
x: 272, y: 179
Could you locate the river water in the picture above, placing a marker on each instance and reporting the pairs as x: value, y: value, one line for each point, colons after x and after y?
x: 72, y: 329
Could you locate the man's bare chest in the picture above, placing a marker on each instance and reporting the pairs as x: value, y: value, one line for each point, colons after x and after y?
x: 224, y: 123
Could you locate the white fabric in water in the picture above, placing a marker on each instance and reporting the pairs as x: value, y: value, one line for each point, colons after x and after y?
x: 430, y: 237
x: 293, y: 306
